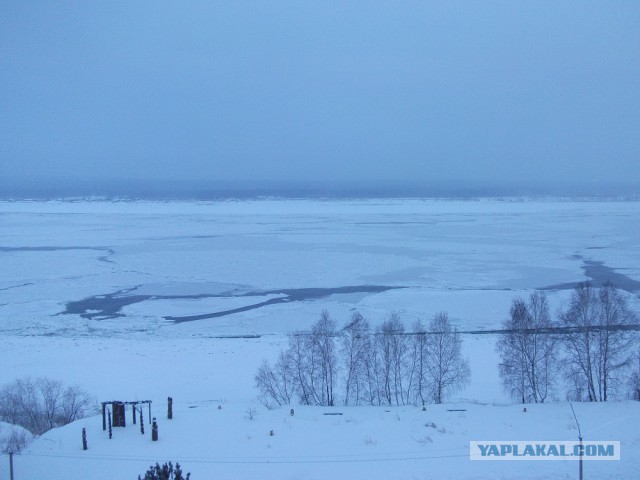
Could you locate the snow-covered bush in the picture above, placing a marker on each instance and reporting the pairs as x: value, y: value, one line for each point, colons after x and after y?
x: 13, y: 438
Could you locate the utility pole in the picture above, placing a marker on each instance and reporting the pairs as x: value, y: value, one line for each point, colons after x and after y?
x: 579, y: 438
x: 10, y: 465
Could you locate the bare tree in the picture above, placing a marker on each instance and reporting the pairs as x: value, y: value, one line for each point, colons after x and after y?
x: 598, y: 345
x: 392, y: 352
x: 613, y: 340
x: 42, y: 404
x: 418, y: 363
x: 373, y: 372
x: 324, y: 361
x: 513, y: 365
x: 308, y: 368
x: 401, y: 379
x: 634, y: 381
x: 300, y: 367
x: 581, y: 317
x: 528, y: 350
x: 446, y: 368
x: 355, y: 348
x: 276, y: 384
x: 14, y: 439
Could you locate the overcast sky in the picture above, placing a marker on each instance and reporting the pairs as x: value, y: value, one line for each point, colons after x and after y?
x: 362, y: 93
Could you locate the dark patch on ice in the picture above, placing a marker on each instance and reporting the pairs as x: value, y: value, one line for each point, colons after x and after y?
x: 235, y: 337
x: 104, y: 258
x: 599, y: 274
x: 16, y: 286
x: 408, y: 222
x: 108, y: 306
x: 184, y: 237
x: 50, y: 249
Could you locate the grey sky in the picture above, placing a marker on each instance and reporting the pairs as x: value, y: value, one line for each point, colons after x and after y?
x: 470, y: 93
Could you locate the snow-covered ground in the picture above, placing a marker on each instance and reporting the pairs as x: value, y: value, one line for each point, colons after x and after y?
x: 361, y: 443
x: 125, y: 266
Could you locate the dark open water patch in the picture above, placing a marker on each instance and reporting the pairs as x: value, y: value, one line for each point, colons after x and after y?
x: 103, y: 258
x: 108, y: 306
x: 599, y: 274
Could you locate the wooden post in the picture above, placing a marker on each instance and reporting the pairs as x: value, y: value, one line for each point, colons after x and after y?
x: 141, y: 422
x: 104, y: 417
x: 134, y: 413
x: 149, y: 411
x: 169, y: 408
x: 110, y: 430
x: 154, y: 430
x: 84, y: 439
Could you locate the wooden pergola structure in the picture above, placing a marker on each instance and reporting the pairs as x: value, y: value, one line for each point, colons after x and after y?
x: 118, y: 412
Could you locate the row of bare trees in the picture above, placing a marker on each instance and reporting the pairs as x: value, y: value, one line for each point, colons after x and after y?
x: 42, y: 404
x: 591, y: 345
x: 358, y: 366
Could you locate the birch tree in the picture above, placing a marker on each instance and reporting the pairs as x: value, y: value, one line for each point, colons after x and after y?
x: 418, y: 363
x: 355, y: 349
x: 324, y: 361
x: 446, y: 368
x: 598, y: 343
x: 528, y: 350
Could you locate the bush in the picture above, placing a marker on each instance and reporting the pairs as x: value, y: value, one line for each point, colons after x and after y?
x: 164, y: 472
x: 42, y: 404
x: 13, y: 438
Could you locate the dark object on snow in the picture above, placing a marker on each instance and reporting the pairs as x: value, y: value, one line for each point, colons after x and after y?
x: 164, y: 472
x: 84, y: 439
x: 141, y: 422
x: 118, y: 410
x: 291, y: 412
x: 118, y: 414
x: 271, y: 434
x: 110, y: 431
x: 456, y: 410
x: 332, y: 413
x: 169, y: 408
x: 154, y: 430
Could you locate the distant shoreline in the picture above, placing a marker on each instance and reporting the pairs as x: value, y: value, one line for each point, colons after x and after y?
x: 319, y: 198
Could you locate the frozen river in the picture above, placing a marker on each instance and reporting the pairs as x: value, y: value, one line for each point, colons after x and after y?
x: 143, y: 300
x: 271, y: 266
